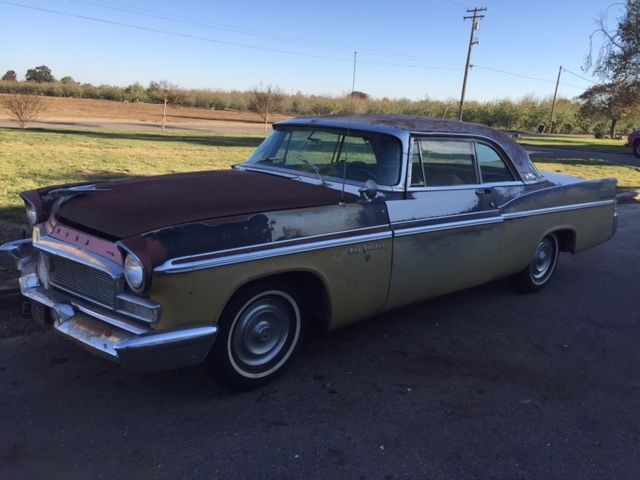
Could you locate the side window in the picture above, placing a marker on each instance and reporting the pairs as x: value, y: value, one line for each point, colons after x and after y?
x: 417, y: 175
x: 492, y: 166
x: 448, y: 162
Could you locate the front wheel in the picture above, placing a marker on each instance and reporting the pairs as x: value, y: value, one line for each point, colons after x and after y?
x: 538, y: 273
x: 259, y: 331
x: 636, y: 148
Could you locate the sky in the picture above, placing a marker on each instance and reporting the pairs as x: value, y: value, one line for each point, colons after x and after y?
x: 405, y: 49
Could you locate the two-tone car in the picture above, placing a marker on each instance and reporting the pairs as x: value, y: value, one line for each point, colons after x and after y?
x: 331, y: 220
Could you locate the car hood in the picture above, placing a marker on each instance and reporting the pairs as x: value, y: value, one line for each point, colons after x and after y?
x: 125, y: 208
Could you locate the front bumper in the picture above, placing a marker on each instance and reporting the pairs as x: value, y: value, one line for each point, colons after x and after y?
x: 136, y: 347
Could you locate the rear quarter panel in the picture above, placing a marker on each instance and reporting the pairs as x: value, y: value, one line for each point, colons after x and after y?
x: 587, y: 209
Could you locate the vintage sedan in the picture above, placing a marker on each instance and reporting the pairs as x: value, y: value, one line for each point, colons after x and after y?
x: 331, y: 220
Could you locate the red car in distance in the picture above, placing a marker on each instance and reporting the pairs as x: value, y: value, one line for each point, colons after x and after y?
x: 633, y: 141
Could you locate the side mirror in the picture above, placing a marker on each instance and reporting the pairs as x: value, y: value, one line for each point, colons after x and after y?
x: 369, y: 191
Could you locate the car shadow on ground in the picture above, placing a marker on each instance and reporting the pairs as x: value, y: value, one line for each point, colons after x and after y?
x: 383, y: 337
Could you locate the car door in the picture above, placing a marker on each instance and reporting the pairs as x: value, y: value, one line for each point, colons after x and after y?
x: 447, y: 229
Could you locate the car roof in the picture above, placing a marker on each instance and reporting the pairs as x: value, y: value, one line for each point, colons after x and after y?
x: 401, y: 125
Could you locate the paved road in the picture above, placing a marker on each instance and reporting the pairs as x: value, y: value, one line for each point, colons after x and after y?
x: 573, y: 153
x: 210, y: 126
x: 481, y: 384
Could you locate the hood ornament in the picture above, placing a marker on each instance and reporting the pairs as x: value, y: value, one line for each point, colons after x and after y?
x: 65, y: 193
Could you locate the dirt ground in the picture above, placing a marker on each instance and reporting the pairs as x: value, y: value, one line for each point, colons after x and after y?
x: 99, y: 111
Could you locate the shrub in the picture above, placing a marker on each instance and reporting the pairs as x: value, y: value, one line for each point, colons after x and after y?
x: 25, y: 108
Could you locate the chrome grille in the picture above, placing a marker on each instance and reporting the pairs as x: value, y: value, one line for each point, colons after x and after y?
x: 87, y: 282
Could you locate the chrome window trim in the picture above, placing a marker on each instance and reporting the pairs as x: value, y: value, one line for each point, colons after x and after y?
x: 482, y: 138
x: 503, y: 156
x: 401, y: 136
x: 351, y: 186
x: 469, y: 186
x: 187, y: 266
x: 415, y: 138
x: 444, y: 137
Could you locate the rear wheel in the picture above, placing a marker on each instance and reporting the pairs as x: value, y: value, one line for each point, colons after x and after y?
x: 539, y: 272
x: 636, y: 148
x: 259, y: 331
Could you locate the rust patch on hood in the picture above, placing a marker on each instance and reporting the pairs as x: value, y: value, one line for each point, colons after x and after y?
x: 131, y: 207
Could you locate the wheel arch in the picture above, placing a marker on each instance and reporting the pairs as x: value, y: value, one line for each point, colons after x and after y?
x: 309, y: 285
x: 567, y: 238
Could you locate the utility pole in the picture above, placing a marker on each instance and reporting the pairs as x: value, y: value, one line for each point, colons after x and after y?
x: 553, y: 104
x: 475, y: 24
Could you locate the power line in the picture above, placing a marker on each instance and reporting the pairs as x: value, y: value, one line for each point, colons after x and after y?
x: 275, y: 50
x: 539, y: 79
x: 167, y: 32
x: 579, y: 76
x: 213, y: 40
x: 530, y: 77
x: 254, y: 33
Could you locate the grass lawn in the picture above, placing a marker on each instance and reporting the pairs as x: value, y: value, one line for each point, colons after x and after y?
x: 34, y: 158
x: 585, y: 143
x: 628, y: 177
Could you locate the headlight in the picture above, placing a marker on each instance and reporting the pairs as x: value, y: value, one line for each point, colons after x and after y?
x: 134, y: 272
x: 32, y: 213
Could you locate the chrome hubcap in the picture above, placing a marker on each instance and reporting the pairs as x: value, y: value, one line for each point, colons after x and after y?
x: 261, y: 331
x: 543, y: 260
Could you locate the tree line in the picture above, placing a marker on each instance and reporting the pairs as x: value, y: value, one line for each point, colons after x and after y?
x: 527, y: 113
x: 608, y: 107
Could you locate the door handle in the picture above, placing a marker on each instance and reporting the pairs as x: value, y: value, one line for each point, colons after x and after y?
x: 483, y: 191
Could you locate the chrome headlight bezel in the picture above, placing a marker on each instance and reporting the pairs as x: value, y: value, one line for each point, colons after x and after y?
x: 32, y: 213
x: 134, y: 272
x: 42, y: 270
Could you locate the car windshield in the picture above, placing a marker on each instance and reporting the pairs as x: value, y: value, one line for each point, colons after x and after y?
x: 332, y: 154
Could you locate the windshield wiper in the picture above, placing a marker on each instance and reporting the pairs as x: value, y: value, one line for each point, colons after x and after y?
x: 315, y: 170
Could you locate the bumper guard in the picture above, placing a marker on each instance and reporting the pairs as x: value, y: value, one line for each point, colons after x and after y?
x: 137, y: 348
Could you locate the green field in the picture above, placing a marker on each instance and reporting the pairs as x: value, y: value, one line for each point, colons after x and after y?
x: 33, y: 158
x: 584, y: 143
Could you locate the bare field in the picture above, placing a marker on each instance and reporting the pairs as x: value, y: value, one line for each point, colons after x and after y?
x: 87, y: 110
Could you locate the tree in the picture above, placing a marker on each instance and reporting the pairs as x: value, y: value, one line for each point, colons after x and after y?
x: 25, y: 108
x: 10, y: 76
x: 165, y: 92
x: 136, y: 93
x: 265, y: 101
x: 618, y: 57
x: 610, y: 101
x: 41, y: 74
x: 68, y: 81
